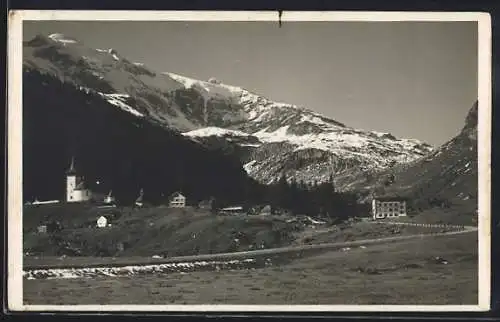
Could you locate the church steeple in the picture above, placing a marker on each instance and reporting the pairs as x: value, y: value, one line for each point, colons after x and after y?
x: 71, y: 170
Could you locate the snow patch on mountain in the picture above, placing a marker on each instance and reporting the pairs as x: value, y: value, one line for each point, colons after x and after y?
x: 119, y: 101
x: 209, y: 89
x: 249, y: 166
x: 311, y: 118
x: 109, y: 51
x: 215, y: 131
x: 335, y: 141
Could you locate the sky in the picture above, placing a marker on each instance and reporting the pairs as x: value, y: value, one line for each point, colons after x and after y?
x: 412, y: 79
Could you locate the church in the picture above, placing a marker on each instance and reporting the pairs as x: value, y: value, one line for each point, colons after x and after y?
x: 76, y: 190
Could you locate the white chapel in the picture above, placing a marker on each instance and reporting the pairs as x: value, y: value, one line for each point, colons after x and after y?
x: 75, y: 186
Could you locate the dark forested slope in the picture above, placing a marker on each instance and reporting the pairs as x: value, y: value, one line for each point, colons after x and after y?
x: 120, y: 150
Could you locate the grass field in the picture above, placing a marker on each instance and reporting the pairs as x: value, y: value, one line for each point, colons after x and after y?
x: 143, y: 233
x: 149, y: 231
x: 403, y: 272
x: 361, y: 231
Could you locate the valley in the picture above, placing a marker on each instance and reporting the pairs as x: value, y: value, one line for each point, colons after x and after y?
x: 278, y: 203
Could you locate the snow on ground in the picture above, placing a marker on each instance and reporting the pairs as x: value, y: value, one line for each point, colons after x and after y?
x: 61, y: 38
x: 215, y: 131
x: 354, y: 143
x: 331, y: 141
x: 249, y: 166
x: 311, y: 118
x: 44, y: 202
x: 251, y: 145
x: 336, y: 138
x: 328, y: 141
x: 117, y: 100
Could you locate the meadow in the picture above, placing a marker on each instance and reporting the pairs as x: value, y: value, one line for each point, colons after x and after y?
x: 432, y: 270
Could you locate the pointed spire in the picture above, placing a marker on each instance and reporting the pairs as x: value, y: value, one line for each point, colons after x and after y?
x: 71, y: 169
x: 141, y: 195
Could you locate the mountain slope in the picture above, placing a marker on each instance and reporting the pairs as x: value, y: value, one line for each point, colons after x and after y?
x: 120, y: 150
x: 303, y: 144
x: 446, y: 178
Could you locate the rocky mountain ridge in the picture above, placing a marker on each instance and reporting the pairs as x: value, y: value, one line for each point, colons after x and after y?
x: 271, y: 138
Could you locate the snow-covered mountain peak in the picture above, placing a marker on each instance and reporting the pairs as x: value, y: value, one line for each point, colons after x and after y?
x: 271, y: 133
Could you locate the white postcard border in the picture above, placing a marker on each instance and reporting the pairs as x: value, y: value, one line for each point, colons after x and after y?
x: 14, y: 195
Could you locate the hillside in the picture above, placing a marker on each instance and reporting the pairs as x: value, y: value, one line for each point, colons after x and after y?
x: 447, y: 178
x: 146, y: 232
x: 121, y: 151
x: 305, y: 145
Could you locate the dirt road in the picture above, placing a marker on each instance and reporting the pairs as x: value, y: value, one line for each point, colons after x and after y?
x: 240, y: 255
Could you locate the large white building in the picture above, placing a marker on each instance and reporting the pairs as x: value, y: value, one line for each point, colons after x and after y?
x: 75, y: 186
x: 388, y: 207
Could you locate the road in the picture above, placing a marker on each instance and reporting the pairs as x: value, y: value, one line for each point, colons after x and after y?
x: 254, y: 253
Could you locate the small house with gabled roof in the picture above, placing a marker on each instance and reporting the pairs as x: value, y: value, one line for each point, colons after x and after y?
x: 177, y: 200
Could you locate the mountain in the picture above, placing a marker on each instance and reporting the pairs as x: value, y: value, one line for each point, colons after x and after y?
x: 114, y: 147
x: 446, y: 178
x: 283, y: 139
x: 270, y: 138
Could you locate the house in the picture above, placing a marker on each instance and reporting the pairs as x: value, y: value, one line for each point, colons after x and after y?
x: 231, y: 210
x: 42, y: 229
x: 260, y: 210
x: 177, y: 200
x: 265, y: 211
x: 76, y: 190
x: 102, y: 222
x: 206, y: 204
x: 388, y: 207
x: 109, y: 199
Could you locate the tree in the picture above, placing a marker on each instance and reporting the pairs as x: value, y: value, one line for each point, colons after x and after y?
x: 332, y: 182
x: 214, y: 206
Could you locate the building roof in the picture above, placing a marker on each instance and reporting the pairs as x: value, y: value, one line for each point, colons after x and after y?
x: 177, y: 194
x: 390, y: 198
x: 71, y: 170
x: 231, y: 208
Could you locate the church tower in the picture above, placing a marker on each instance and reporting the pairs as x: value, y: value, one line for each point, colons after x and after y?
x: 71, y: 182
x: 76, y: 190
